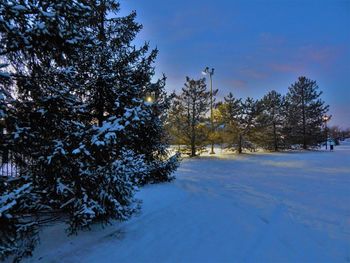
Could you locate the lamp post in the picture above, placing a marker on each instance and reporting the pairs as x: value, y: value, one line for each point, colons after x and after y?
x: 206, y: 71
x: 325, y: 119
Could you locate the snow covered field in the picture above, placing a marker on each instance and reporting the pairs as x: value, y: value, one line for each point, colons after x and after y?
x: 284, y: 207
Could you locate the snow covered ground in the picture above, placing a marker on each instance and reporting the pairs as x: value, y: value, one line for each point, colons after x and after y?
x: 284, y: 207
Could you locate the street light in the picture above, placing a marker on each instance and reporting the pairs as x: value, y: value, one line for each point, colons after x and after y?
x: 150, y: 97
x: 325, y: 119
x: 206, y: 71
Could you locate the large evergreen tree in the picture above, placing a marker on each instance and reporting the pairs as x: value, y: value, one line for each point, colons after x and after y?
x: 241, y: 122
x: 190, y: 109
x: 229, y: 118
x: 249, y: 128
x: 80, y: 125
x: 117, y: 77
x: 272, y: 118
x: 175, y: 121
x: 304, y: 109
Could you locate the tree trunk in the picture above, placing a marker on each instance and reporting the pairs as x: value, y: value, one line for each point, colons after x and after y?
x: 193, y: 130
x: 100, y: 83
x: 275, y: 137
x: 100, y: 105
x: 193, y: 142
x: 193, y: 150
x: 240, y: 144
x: 304, y: 118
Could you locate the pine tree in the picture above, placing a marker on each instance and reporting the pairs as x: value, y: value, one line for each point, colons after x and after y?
x: 230, y: 113
x: 74, y: 62
x: 304, y: 109
x: 272, y: 118
x: 175, y: 120
x: 241, y: 122
x: 37, y: 40
x: 119, y: 80
x: 191, y: 107
x: 18, y: 235
x: 249, y: 124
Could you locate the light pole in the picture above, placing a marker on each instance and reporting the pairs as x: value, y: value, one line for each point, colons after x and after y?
x: 206, y: 71
x: 325, y: 119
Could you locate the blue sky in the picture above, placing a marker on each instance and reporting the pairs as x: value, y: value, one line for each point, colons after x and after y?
x: 254, y: 46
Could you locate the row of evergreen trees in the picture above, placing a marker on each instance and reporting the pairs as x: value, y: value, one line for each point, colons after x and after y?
x: 77, y: 122
x: 274, y: 122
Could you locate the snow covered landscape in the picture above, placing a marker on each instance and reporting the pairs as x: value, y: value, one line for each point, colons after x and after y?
x: 143, y: 132
x: 264, y: 207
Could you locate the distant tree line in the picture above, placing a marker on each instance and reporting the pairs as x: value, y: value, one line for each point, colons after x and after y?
x: 274, y: 122
x: 338, y: 134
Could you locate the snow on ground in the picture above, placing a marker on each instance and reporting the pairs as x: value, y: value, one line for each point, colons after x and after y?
x: 278, y: 207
